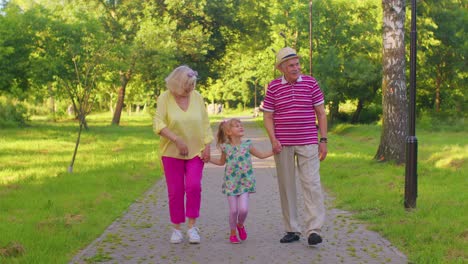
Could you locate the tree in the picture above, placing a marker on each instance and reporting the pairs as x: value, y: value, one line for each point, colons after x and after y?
x: 46, y: 60
x: 16, y: 44
x: 444, y: 46
x: 121, y: 21
x: 394, y: 97
x: 83, y: 50
x: 347, y: 60
x: 230, y: 43
x: 363, y: 63
x: 242, y: 40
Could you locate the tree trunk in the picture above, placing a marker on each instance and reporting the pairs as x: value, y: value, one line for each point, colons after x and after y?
x: 394, y: 98
x: 51, y: 101
x: 72, y: 163
x: 111, y: 102
x: 437, y: 93
x: 255, y: 94
x: 334, y: 109
x: 357, y: 113
x: 85, y: 123
x: 124, y: 78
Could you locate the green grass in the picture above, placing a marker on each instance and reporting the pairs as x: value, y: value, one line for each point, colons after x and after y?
x: 46, y: 213
x: 437, y: 230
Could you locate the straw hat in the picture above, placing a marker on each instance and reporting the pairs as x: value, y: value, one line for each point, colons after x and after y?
x: 285, y: 54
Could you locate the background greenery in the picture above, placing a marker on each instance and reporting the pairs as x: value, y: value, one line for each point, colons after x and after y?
x: 52, y: 50
x: 231, y: 43
x: 47, y: 214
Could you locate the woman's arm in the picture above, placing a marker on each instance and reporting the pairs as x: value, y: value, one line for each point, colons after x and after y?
x: 167, y: 133
x: 208, y: 135
x: 180, y: 144
x: 206, y: 153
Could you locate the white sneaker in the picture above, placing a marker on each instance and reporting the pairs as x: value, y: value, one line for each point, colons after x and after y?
x: 177, y: 236
x: 194, y: 237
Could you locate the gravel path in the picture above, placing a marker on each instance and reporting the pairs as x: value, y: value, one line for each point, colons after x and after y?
x: 142, y: 234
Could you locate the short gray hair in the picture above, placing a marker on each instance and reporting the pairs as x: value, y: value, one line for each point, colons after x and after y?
x: 180, y: 78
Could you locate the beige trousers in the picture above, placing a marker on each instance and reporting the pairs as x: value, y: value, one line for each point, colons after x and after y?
x: 308, y: 164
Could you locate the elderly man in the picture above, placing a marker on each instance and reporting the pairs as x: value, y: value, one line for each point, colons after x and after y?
x: 292, y: 105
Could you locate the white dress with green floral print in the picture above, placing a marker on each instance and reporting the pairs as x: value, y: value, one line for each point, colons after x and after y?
x: 238, y: 173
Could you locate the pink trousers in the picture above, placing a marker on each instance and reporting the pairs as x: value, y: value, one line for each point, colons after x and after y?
x: 183, y: 179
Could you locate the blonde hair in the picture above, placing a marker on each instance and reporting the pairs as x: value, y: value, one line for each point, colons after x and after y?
x: 181, y: 80
x: 223, y: 129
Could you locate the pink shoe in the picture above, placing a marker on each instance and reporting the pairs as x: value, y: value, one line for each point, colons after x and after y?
x: 242, y: 232
x: 234, y: 240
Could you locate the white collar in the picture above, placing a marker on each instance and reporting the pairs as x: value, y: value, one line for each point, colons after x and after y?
x: 284, y: 81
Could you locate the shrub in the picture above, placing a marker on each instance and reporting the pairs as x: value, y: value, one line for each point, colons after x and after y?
x: 12, y: 113
x: 440, y: 121
x: 43, y: 109
x: 371, y: 114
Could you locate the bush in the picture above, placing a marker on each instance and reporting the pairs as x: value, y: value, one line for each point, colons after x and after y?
x: 12, y: 113
x: 43, y: 109
x: 440, y: 121
x: 240, y: 107
x: 370, y: 114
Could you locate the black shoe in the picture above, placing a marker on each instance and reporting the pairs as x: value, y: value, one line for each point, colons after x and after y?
x: 314, y: 239
x: 290, y: 237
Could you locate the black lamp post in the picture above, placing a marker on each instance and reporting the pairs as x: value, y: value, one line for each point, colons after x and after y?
x: 411, y: 177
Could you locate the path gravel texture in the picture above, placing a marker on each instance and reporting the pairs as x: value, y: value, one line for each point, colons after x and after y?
x: 142, y: 234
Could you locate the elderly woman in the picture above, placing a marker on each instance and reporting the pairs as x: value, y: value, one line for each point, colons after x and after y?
x: 182, y: 122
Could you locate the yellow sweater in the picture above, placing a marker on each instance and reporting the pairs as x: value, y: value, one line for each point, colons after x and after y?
x: 193, y: 125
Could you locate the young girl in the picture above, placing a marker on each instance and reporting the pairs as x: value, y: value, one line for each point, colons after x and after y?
x: 239, y: 180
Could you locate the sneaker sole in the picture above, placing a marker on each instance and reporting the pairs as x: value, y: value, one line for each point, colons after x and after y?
x: 313, y: 245
x: 194, y: 242
x: 292, y: 241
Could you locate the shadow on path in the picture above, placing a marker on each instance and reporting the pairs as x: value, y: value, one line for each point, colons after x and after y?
x: 142, y: 234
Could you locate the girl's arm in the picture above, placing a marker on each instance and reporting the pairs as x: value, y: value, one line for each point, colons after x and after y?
x: 259, y: 154
x: 221, y: 161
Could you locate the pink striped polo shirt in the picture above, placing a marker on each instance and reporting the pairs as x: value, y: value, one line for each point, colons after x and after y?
x: 293, y: 109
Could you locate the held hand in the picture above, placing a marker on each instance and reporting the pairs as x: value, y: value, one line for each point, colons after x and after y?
x: 181, y: 146
x: 322, y: 151
x: 206, y: 154
x: 276, y: 146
